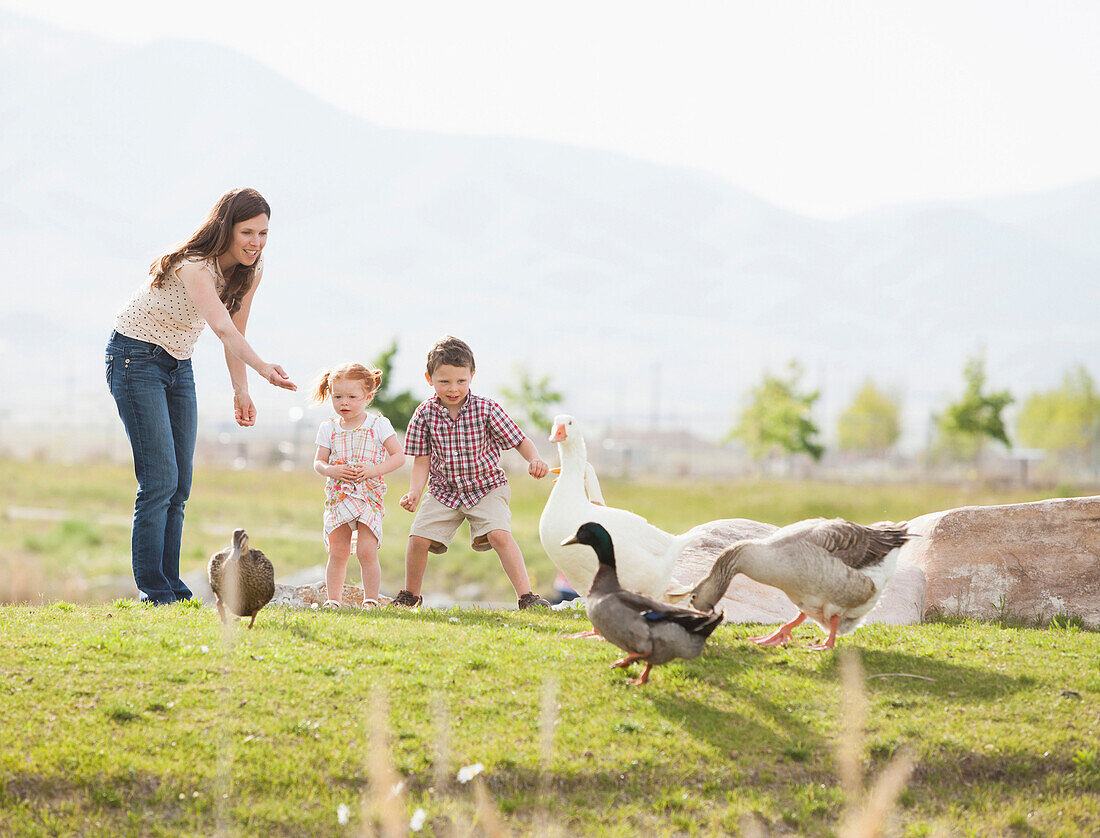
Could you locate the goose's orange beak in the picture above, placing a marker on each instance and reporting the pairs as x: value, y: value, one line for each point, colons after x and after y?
x: 556, y: 470
x: 557, y: 433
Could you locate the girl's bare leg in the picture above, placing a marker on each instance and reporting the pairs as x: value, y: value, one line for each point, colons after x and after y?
x: 367, y: 551
x: 339, y: 551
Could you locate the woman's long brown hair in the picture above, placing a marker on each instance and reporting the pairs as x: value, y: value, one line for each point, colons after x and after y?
x: 213, y: 238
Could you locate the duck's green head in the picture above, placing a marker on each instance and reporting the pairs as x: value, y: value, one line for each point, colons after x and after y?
x: 596, y: 537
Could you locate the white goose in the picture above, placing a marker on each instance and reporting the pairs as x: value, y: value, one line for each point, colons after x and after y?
x: 834, y: 571
x: 644, y: 554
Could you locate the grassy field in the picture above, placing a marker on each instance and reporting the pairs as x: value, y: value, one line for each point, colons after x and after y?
x: 123, y: 719
x: 75, y: 544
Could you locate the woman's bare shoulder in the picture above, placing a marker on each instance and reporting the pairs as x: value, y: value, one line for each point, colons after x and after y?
x: 190, y: 270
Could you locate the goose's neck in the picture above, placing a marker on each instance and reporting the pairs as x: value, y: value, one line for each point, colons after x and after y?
x: 573, y: 458
x: 739, y: 558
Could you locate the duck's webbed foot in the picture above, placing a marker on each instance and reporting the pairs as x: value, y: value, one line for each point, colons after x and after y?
x: 629, y: 659
x: 589, y: 633
x: 643, y: 678
x: 781, y: 636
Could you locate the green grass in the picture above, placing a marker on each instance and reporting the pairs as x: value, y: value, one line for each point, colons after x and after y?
x: 128, y: 720
x: 82, y: 556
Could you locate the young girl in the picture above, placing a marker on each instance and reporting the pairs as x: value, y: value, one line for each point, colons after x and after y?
x: 354, y: 450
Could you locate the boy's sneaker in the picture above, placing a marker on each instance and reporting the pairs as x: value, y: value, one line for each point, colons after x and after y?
x: 404, y: 599
x: 532, y: 600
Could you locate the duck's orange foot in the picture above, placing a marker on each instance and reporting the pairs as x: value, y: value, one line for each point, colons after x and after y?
x: 629, y: 659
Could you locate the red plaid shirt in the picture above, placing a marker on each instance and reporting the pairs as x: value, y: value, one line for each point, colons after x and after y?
x: 463, y: 453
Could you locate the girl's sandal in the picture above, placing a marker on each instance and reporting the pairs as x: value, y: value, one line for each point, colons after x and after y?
x: 371, y: 604
x: 331, y: 603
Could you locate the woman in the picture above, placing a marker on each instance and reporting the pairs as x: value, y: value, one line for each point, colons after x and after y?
x: 210, y: 279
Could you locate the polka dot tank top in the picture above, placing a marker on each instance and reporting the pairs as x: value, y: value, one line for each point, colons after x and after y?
x: 167, y: 316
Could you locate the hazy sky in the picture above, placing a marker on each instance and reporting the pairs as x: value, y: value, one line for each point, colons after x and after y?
x: 826, y: 108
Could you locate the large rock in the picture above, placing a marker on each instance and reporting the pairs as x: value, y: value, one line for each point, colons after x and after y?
x: 1029, y: 560
x: 747, y: 601
x: 314, y: 595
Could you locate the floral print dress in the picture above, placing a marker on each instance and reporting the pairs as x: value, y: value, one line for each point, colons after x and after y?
x: 347, y: 502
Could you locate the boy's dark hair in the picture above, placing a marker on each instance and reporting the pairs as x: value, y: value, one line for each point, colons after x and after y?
x: 452, y: 352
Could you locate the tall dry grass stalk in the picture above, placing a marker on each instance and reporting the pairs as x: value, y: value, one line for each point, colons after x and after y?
x: 441, y: 770
x: 853, y: 701
x: 223, y: 777
x: 863, y: 818
x: 751, y: 828
x: 383, y: 809
x: 548, y: 721
x: 488, y: 818
x: 23, y: 581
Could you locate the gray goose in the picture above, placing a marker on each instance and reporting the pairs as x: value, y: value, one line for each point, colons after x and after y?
x: 834, y: 571
x: 242, y: 579
x: 644, y: 628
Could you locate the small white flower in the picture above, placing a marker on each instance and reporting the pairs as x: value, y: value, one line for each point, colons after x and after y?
x: 416, y: 822
x: 314, y: 606
x: 468, y: 772
x: 397, y: 788
x: 205, y: 649
x: 342, y: 814
x: 452, y: 620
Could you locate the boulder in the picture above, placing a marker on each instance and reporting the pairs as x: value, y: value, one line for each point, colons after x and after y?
x: 1029, y: 561
x: 315, y: 594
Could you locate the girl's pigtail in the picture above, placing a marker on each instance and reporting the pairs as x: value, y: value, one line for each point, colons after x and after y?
x: 321, y: 388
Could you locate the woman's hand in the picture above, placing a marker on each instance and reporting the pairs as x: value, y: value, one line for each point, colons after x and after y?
x: 274, y: 374
x: 243, y: 410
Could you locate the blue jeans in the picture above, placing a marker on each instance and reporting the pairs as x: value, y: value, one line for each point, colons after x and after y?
x: 155, y: 394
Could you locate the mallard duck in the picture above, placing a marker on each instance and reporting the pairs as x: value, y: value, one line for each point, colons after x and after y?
x: 644, y: 628
x: 834, y: 572
x: 645, y: 553
x: 242, y: 579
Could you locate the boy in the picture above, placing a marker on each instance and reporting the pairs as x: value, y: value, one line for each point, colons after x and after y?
x: 455, y: 438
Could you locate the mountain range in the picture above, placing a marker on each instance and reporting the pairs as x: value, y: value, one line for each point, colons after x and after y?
x: 649, y: 294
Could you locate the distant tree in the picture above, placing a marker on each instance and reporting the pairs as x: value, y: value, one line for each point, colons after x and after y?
x: 966, y: 423
x: 531, y: 400
x: 871, y: 424
x: 397, y: 407
x: 777, y: 419
x: 1066, y: 419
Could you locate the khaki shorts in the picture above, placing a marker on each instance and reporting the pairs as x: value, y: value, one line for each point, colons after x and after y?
x: 439, y: 523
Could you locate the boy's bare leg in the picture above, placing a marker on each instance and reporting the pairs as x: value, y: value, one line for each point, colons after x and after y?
x: 339, y: 551
x: 416, y: 562
x: 367, y: 552
x: 511, y: 559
